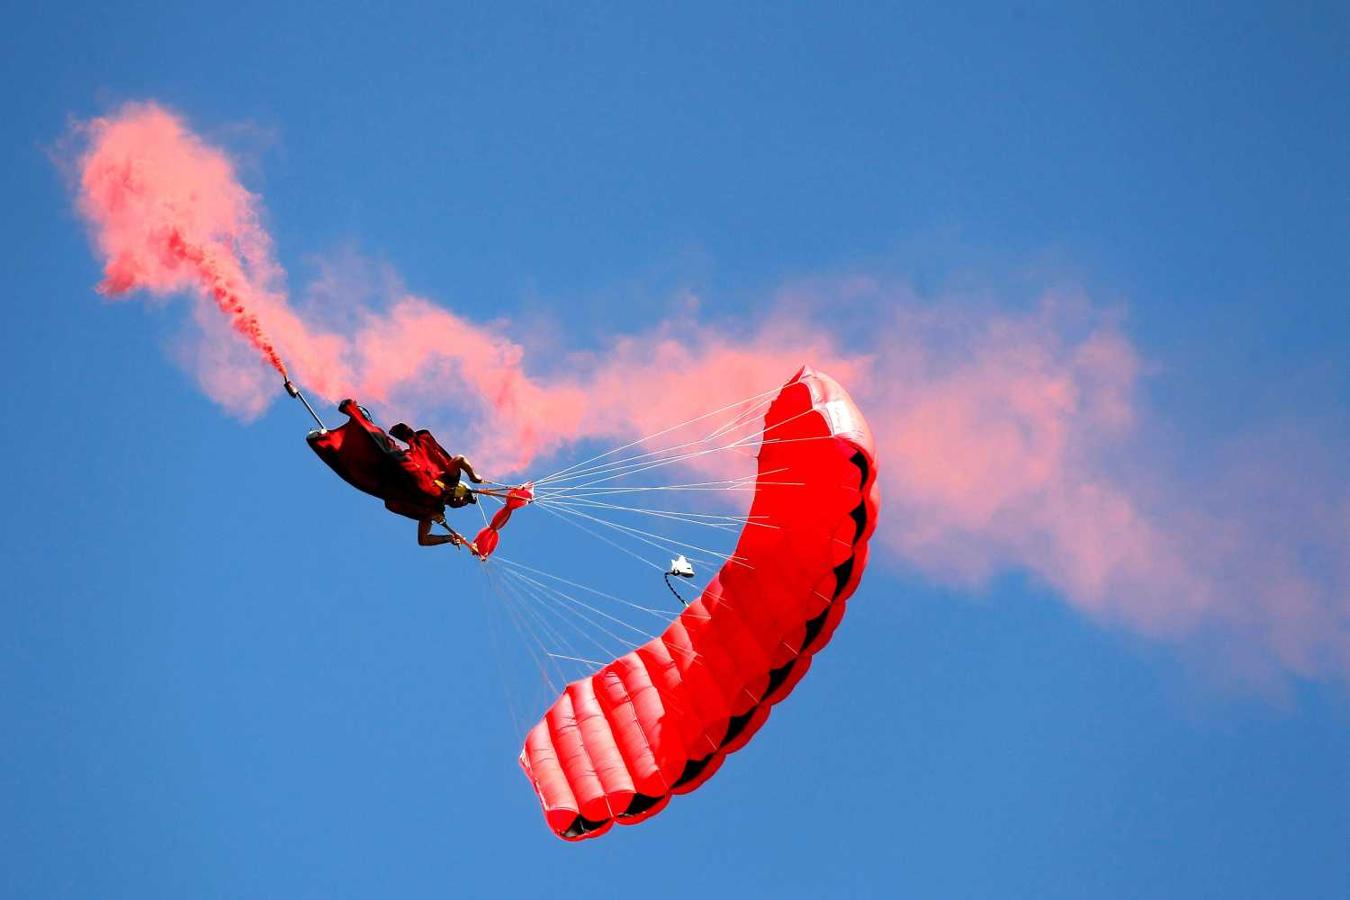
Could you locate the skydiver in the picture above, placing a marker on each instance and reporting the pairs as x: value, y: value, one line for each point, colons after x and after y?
x: 453, y: 494
x: 419, y: 482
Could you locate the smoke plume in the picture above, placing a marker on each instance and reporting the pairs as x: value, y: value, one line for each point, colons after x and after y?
x: 1009, y: 440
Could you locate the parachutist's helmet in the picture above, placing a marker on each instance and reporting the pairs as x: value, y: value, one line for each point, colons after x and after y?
x: 458, y: 496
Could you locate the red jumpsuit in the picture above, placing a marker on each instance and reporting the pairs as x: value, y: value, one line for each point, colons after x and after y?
x: 412, y: 482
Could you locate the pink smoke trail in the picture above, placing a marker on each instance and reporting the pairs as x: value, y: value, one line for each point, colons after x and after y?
x: 1008, y: 440
x: 170, y: 216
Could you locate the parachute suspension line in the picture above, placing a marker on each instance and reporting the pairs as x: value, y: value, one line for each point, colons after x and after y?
x: 568, y: 653
x: 509, y: 600
x: 729, y: 484
x: 707, y: 520
x: 638, y: 534
x: 579, y: 499
x: 633, y: 533
x: 570, y: 470
x: 505, y: 594
x: 531, y: 609
x: 564, y: 649
x: 556, y: 602
x: 583, y: 604
x: 536, y: 609
x: 648, y: 437
x: 580, y: 659
x: 601, y: 537
x: 596, y: 485
x: 646, y: 466
x: 737, y: 485
x: 621, y: 468
x: 660, y: 613
x: 483, y: 511
x: 532, y: 587
x: 624, y: 644
x: 564, y: 601
x: 593, y: 509
x: 743, y: 481
x: 625, y: 462
x: 748, y: 416
x: 499, y: 655
x: 670, y: 543
x: 656, y: 458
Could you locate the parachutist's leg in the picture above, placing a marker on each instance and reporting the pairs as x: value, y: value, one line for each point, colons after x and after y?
x: 426, y: 539
x: 467, y: 468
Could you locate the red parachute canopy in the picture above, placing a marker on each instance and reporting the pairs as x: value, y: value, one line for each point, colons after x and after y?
x: 658, y: 721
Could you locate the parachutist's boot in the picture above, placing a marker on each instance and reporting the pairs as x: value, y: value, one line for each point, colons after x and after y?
x: 350, y: 407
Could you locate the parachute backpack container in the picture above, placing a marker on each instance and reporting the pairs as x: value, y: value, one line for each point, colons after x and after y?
x: 660, y: 720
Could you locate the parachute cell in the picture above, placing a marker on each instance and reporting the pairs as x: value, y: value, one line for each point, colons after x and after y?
x: 660, y: 720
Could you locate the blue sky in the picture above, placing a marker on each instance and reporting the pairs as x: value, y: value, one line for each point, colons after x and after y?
x: 226, y: 675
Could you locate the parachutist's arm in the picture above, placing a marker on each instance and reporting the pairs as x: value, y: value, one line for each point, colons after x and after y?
x: 467, y: 468
x: 426, y: 539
